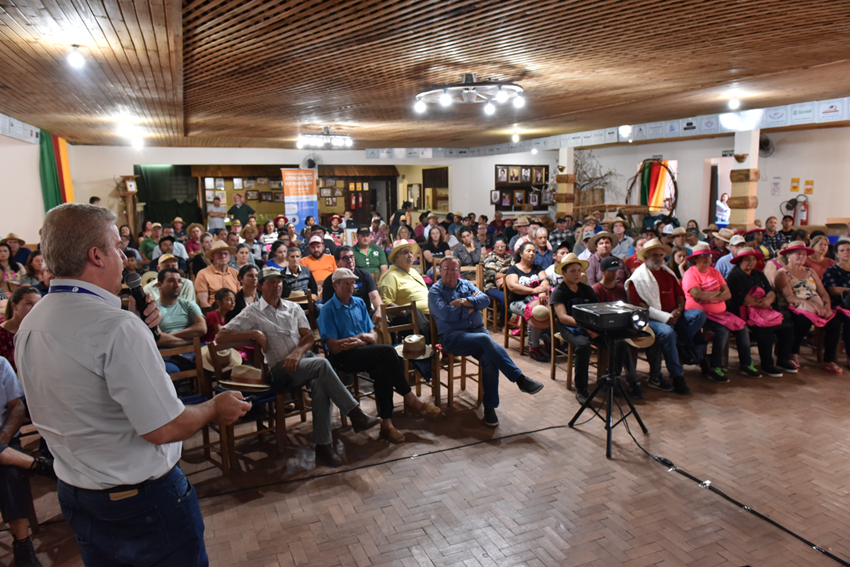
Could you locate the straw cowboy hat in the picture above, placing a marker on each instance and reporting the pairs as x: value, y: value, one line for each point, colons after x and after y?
x: 193, y: 225
x: 700, y: 249
x: 218, y: 246
x: 148, y: 277
x: 604, y: 234
x: 619, y: 219
x: 413, y: 347
x: 13, y: 236
x: 724, y: 234
x: 679, y: 231
x: 570, y: 259
x: 227, y: 358
x: 399, y: 245
x: 710, y: 228
x: 177, y: 219
x: 539, y: 318
x: 795, y: 246
x: 521, y: 220
x: 744, y: 252
x: 643, y: 342
x: 245, y: 378
x: 650, y: 245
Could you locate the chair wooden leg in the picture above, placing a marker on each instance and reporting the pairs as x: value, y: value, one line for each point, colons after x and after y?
x: 463, y: 373
x: 280, y: 422
x: 225, y: 433
x: 480, y: 397
x: 522, y: 336
x: 205, y: 437
x: 570, y: 355
x: 450, y: 383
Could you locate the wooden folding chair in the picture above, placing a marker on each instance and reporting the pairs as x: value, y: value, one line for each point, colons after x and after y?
x: 491, y: 317
x: 414, y: 377
x: 509, y: 326
x: 451, y: 363
x: 601, y: 362
x: 306, y: 302
x: 278, y: 406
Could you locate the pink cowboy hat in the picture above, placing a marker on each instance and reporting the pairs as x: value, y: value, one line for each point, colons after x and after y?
x: 797, y: 245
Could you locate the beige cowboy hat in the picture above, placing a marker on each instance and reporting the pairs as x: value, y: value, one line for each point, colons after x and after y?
x: 725, y: 234
x: 701, y: 249
x: 177, y: 219
x: 595, y: 238
x: 710, y: 228
x: 13, y: 236
x: 218, y: 246
x: 679, y: 231
x: 539, y: 316
x: 399, y: 245
x: 521, y: 220
x: 296, y: 294
x: 413, y: 347
x: 193, y: 225
x: 617, y: 219
x: 245, y: 379
x: 570, y: 259
x: 643, y: 342
x: 228, y: 359
x: 651, y: 244
x: 148, y: 277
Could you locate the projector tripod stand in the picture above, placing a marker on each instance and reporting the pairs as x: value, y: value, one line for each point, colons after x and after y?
x: 608, y: 384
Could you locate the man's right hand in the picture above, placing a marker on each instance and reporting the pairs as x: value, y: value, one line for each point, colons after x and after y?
x: 229, y: 406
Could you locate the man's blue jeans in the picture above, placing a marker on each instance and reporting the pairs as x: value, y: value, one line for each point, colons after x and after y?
x: 155, y: 523
x: 478, y: 344
x: 686, y: 328
x: 721, y: 337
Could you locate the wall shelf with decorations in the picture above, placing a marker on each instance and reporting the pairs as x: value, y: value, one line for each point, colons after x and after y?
x: 521, y: 188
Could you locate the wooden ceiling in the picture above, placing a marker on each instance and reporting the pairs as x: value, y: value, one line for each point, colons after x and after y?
x: 253, y: 73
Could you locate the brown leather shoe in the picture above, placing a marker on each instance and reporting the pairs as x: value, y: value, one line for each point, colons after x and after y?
x: 326, y: 456
x: 427, y: 410
x: 392, y: 435
x: 360, y: 421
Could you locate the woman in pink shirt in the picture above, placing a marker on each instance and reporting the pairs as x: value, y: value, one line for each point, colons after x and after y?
x: 706, y: 289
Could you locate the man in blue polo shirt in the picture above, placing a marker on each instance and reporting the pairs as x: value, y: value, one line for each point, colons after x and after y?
x: 349, y: 336
x: 456, y: 304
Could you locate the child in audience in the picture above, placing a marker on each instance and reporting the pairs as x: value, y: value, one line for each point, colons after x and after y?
x: 224, y: 302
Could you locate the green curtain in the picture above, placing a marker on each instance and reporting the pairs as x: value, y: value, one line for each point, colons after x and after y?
x: 51, y: 190
x: 168, y: 191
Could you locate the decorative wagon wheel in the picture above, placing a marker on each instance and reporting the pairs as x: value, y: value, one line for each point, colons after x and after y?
x: 639, y: 175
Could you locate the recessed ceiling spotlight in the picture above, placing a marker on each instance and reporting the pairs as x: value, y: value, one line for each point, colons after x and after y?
x: 534, y: 150
x: 75, y: 58
x: 446, y: 99
x: 515, y: 138
x: 489, y: 108
x: 420, y: 106
x: 734, y: 104
x: 625, y: 130
x: 138, y: 143
x: 519, y: 102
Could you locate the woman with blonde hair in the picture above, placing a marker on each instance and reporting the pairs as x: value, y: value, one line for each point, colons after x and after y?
x: 818, y: 260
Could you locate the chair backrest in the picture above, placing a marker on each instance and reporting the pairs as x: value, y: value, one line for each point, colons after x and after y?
x: 479, y: 277
x: 389, y: 313
x: 306, y: 303
x: 259, y: 359
x: 203, y: 385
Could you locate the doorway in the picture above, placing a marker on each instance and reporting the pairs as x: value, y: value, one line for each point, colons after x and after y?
x: 716, y: 181
x: 380, y: 198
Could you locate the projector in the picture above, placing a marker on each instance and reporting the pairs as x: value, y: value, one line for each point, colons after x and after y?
x: 611, y: 316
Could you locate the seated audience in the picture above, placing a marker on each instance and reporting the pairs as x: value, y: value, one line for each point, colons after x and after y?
x: 678, y: 261
x: 223, y: 303
x: 497, y: 224
x: 632, y: 262
x: 520, y: 225
x: 752, y: 300
x: 145, y: 232
x: 600, y: 246
x: 187, y: 290
x: 468, y: 252
x: 570, y: 292
x: 320, y: 263
x: 243, y: 257
x: 35, y: 273
x: 719, y: 243
x: 560, y: 253
x: 787, y: 229
x: 433, y: 221
x: 419, y: 230
x: 706, y: 290
x: 16, y: 246
x: 17, y: 307
x: 298, y: 277
x: 294, y: 238
x: 278, y: 255
x: 217, y: 275
x: 364, y: 287
x: 527, y: 282
x: 179, y: 233
x: 248, y: 278
x: 166, y: 244
x: 402, y: 284
x: 192, y: 243
x: 403, y: 233
x: 435, y: 249
x: 753, y: 238
x: 200, y: 261
x: 177, y: 248
x: 456, y: 305
x: 348, y: 334
x: 281, y: 329
x: 540, y: 238
x: 318, y: 230
x: 378, y: 234
x: 269, y: 232
x: 255, y: 246
x: 337, y: 231
x: 836, y: 280
x: 817, y: 260
x: 368, y: 256
x: 182, y: 320
x: 724, y: 264
x: 233, y: 239
x: 580, y: 249
x: 802, y: 292
x: 147, y: 246
x: 654, y: 286
x: 622, y: 243
x: 508, y: 231
x: 496, y: 265
x: 14, y: 464
x: 562, y: 233
x: 771, y: 237
x: 11, y: 270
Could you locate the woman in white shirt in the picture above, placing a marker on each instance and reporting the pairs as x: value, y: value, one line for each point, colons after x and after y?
x: 723, y: 211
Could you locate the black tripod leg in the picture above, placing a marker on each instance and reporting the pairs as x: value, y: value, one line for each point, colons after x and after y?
x: 609, y: 418
x: 632, y: 408
x: 586, y: 404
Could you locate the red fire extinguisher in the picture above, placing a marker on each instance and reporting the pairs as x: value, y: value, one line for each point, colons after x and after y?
x: 801, y: 211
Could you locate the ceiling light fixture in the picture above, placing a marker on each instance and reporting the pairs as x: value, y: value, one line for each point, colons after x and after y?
x: 138, y: 143
x: 470, y: 91
x: 625, y: 130
x: 534, y: 150
x: 734, y: 104
x: 75, y: 58
x: 326, y: 137
x: 515, y: 138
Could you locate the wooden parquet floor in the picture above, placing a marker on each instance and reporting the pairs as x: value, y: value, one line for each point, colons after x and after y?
x: 533, y: 492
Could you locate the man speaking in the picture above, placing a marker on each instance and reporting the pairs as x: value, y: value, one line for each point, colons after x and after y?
x: 98, y: 393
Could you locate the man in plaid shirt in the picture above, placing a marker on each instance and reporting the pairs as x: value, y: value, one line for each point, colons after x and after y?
x: 562, y: 232
x: 771, y: 238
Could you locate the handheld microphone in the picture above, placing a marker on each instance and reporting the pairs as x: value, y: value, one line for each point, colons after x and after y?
x: 134, y: 282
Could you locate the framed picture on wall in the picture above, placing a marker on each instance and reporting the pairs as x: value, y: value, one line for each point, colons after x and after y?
x: 365, y: 185
x: 262, y: 181
x: 501, y: 174
x: 209, y: 195
x: 548, y: 198
x: 533, y: 199
x: 265, y: 196
x: 495, y: 196
x: 219, y: 182
x: 506, y: 199
x: 252, y: 195
x: 237, y: 183
x: 338, y: 191
x: 209, y: 183
x: 526, y: 175
x: 222, y: 195
x: 279, y: 197
x: 331, y: 202
x: 539, y: 175
x: 249, y: 183
x: 325, y: 192
x: 276, y: 184
x: 519, y: 198
x: 513, y: 175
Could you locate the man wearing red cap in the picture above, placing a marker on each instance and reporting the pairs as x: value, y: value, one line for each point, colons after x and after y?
x: 322, y: 265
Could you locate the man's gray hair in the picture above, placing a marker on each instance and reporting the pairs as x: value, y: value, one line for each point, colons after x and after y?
x: 537, y: 231
x: 69, y: 232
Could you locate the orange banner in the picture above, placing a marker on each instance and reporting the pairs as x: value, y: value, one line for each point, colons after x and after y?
x: 299, y: 190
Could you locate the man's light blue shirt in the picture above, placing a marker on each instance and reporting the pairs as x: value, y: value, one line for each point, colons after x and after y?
x: 457, y: 318
x: 340, y: 321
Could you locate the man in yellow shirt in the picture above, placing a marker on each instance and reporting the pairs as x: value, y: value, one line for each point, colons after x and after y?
x: 322, y: 265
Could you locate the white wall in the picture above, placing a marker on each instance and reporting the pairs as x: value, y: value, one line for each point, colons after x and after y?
x: 23, y: 206
x: 94, y: 167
